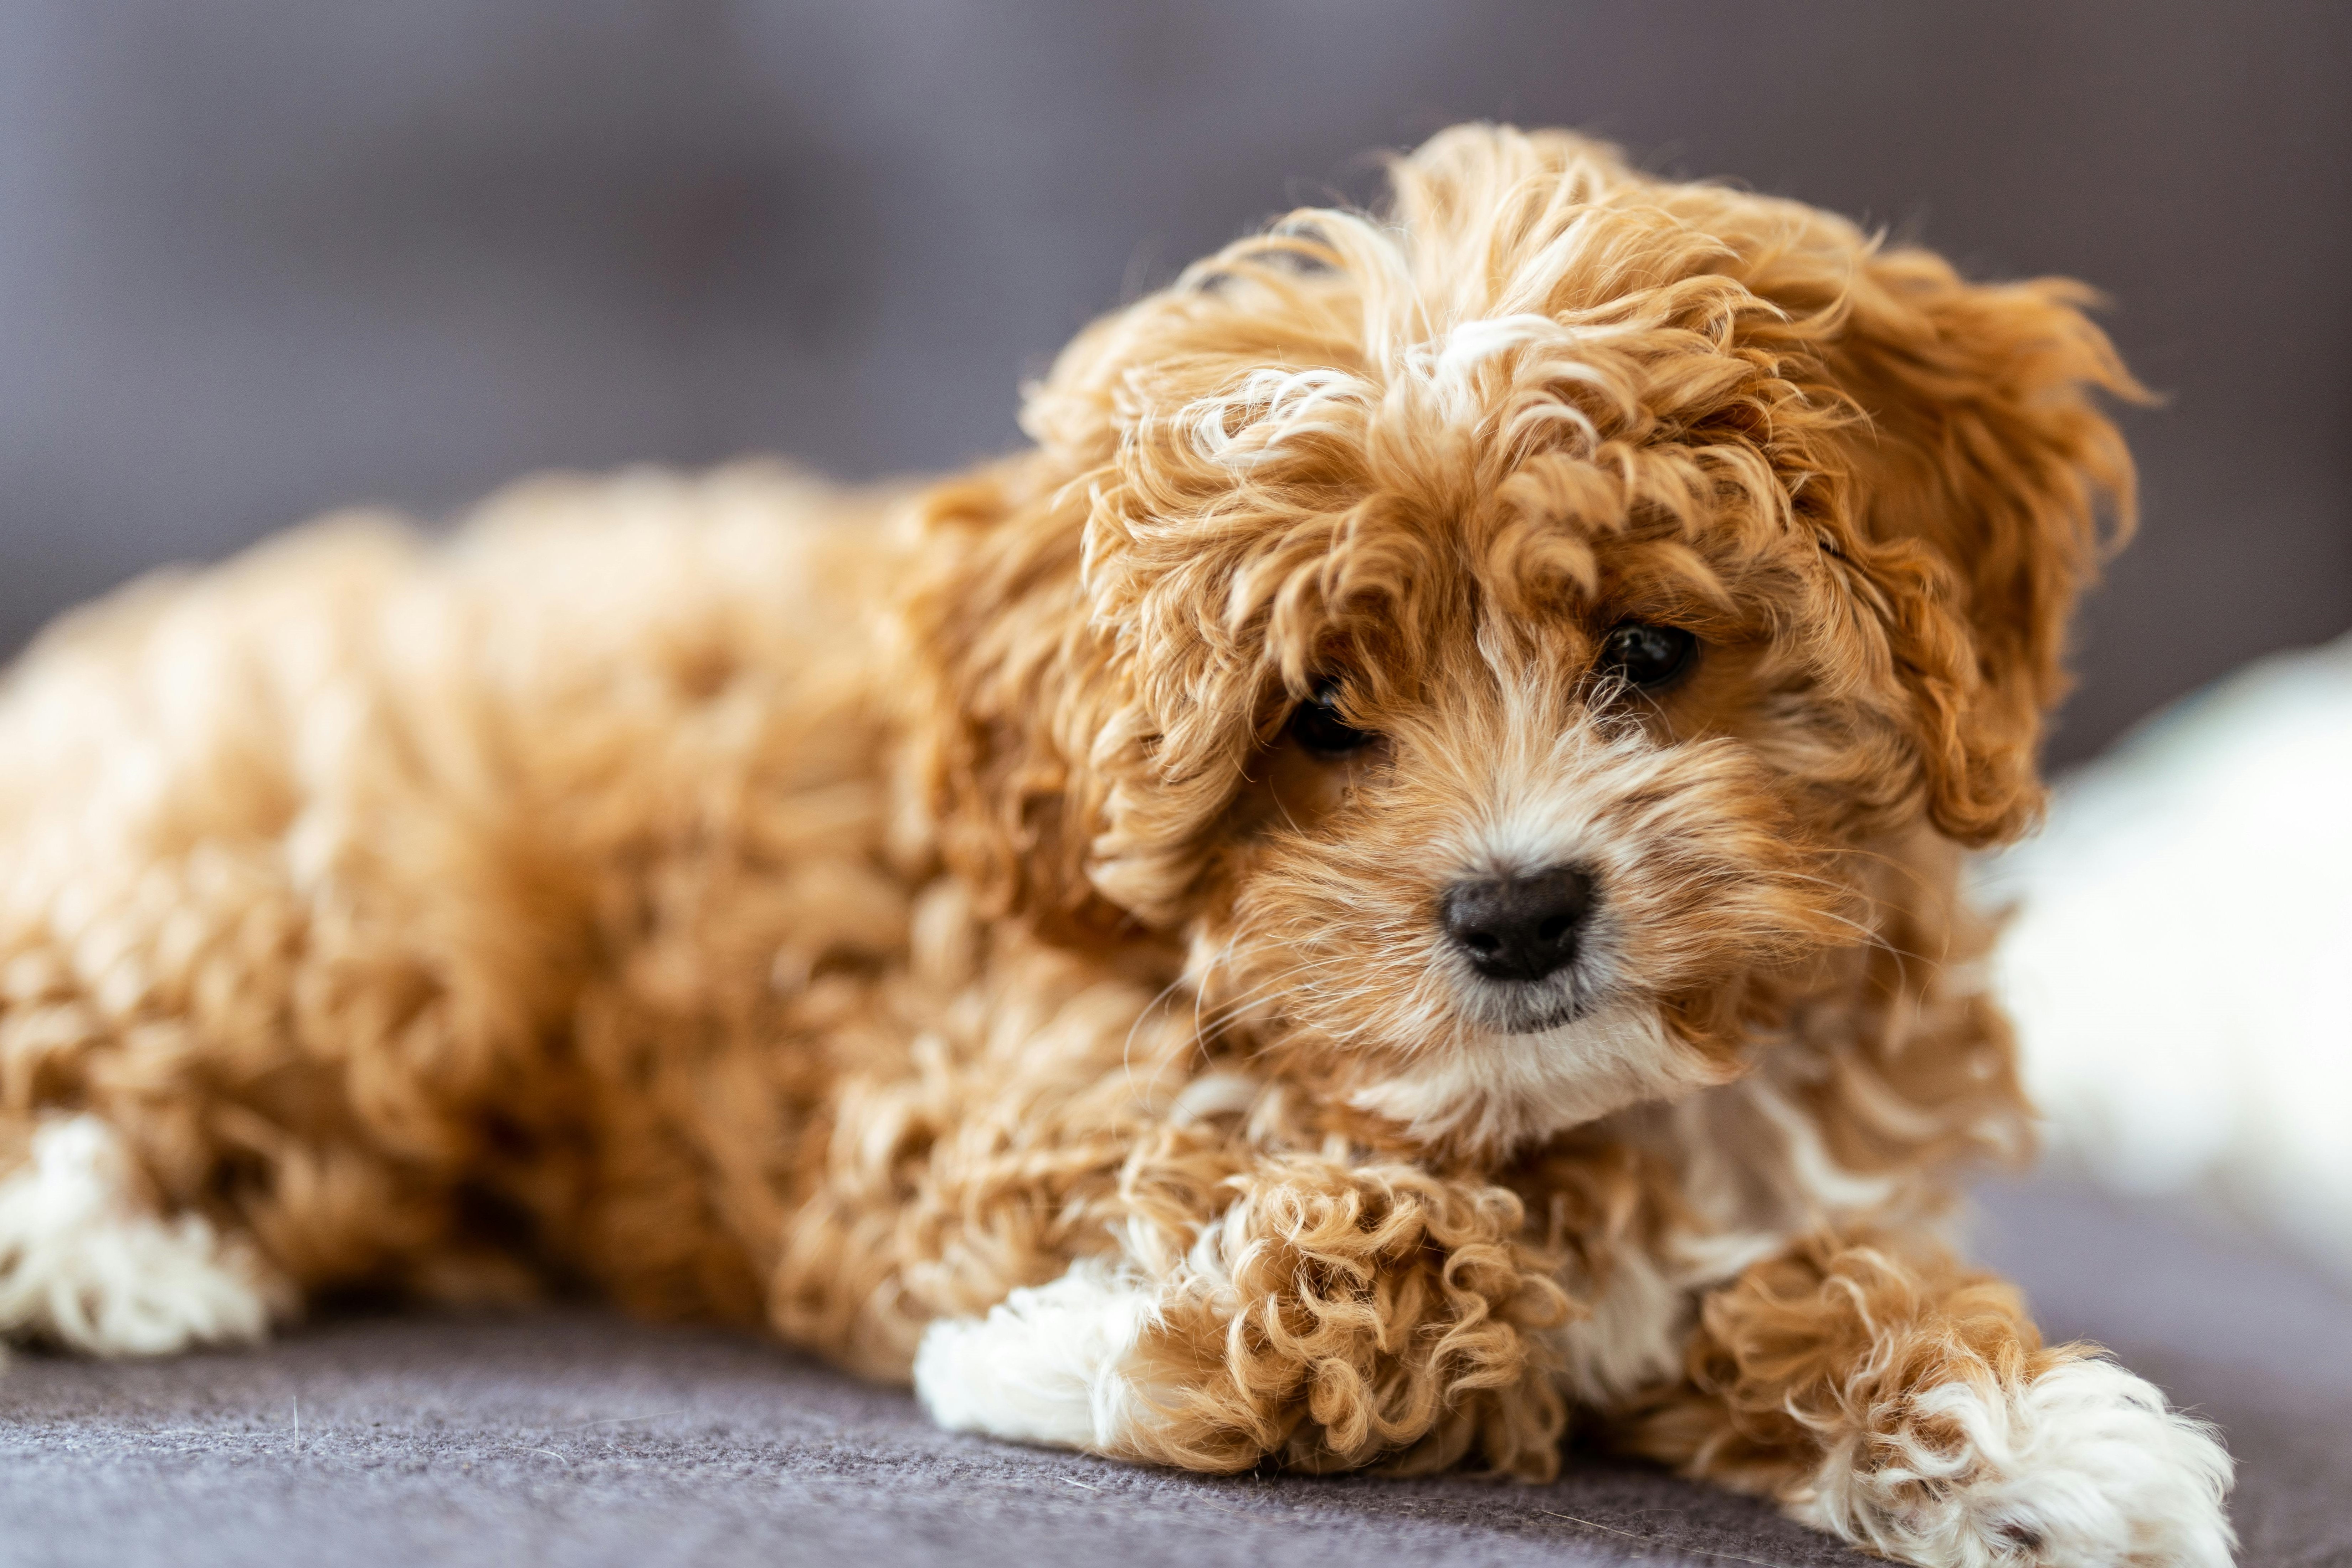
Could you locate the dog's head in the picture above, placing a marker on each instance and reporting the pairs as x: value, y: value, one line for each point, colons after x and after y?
x: 1489, y: 635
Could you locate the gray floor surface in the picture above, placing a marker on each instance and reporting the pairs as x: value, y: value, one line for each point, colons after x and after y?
x: 574, y: 1439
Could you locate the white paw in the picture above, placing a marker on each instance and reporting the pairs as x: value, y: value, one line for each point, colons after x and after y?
x: 2083, y: 1468
x: 84, y: 1264
x: 1043, y: 1366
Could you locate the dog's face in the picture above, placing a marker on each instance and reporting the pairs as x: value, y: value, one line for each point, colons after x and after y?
x: 1509, y: 862
x: 1491, y: 642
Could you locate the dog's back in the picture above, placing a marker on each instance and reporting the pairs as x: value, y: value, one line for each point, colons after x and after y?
x: 386, y: 894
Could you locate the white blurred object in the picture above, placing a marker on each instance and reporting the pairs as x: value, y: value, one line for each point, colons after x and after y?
x: 2180, y: 963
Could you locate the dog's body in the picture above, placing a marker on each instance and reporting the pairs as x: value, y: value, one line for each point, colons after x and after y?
x: 1393, y: 879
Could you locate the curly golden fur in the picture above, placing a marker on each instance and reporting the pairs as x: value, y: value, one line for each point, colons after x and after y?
x: 919, y: 921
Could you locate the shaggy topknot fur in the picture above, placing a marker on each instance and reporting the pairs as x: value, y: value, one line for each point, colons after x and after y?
x: 912, y: 922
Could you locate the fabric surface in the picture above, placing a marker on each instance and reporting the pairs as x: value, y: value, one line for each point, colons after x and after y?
x: 573, y: 1439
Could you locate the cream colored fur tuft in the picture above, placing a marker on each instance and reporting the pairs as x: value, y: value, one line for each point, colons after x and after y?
x: 1043, y: 1366
x: 2082, y: 1467
x: 85, y: 1265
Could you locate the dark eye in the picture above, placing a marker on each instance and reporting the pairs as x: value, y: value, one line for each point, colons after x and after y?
x: 1645, y: 656
x: 1318, y: 727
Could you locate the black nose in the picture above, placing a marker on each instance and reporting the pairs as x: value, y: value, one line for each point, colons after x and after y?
x: 1520, y: 928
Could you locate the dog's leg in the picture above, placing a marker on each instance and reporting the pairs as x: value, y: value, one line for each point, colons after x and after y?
x: 1909, y: 1406
x: 1331, y: 1316
x: 89, y: 1262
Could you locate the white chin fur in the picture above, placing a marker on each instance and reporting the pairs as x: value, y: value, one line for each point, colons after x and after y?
x: 1501, y: 1090
x: 85, y: 1265
x: 2083, y: 1468
x: 1043, y: 1365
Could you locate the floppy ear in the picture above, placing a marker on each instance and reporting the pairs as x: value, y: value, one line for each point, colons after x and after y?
x: 1060, y: 785
x: 1012, y: 690
x: 1985, y: 468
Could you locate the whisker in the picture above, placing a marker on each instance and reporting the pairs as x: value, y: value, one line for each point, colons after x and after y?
x: 1230, y: 1008
x: 1127, y: 1047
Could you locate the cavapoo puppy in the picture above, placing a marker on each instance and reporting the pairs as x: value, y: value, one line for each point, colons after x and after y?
x: 1386, y: 889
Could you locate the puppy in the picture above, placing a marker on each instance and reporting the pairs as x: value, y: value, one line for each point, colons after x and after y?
x: 1386, y: 887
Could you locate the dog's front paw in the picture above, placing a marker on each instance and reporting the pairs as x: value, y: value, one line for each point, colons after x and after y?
x: 2082, y: 1467
x: 85, y: 1263
x: 1043, y: 1366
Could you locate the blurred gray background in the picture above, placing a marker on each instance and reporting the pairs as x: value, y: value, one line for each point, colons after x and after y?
x: 262, y: 256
